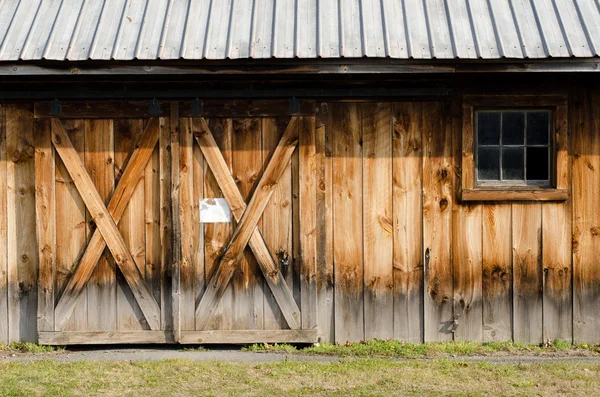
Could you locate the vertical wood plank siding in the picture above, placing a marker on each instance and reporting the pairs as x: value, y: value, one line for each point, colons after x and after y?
x: 384, y: 238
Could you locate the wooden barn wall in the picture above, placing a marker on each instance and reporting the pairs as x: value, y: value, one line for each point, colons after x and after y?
x: 398, y: 255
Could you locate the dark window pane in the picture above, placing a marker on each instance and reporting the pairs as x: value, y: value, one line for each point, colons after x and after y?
x: 513, y: 163
x: 488, y: 164
x: 488, y: 128
x: 537, y: 163
x: 513, y: 128
x: 537, y: 128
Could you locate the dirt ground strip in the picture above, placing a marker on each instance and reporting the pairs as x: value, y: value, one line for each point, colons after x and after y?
x: 235, y: 355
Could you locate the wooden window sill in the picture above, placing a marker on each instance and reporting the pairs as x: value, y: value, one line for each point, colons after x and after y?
x: 515, y: 195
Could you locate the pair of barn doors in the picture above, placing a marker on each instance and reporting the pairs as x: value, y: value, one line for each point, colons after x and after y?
x: 124, y: 254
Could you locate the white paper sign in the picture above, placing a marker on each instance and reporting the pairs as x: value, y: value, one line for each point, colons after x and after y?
x: 214, y: 210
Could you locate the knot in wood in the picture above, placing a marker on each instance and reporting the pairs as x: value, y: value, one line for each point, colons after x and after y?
x: 16, y: 156
x: 443, y: 204
x: 30, y: 151
x: 444, y: 174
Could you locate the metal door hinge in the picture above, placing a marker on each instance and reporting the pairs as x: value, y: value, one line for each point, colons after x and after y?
x: 154, y: 107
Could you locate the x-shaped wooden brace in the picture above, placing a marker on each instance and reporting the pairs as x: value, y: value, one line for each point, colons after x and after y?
x: 106, y: 220
x: 246, y: 231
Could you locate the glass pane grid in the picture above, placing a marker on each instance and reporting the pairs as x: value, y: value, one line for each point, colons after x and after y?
x: 523, y: 123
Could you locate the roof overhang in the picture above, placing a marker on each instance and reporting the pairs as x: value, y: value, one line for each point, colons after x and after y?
x: 361, y: 66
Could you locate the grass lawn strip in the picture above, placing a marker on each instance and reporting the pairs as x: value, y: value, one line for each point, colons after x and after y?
x: 351, y: 376
x: 398, y: 349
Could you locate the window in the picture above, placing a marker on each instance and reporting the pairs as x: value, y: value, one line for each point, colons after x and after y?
x: 514, y: 148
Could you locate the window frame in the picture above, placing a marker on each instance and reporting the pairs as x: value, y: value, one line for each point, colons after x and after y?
x: 558, y: 188
x: 516, y: 183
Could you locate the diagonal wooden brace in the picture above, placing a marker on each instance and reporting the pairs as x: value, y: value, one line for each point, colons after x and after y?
x: 106, y: 221
x: 246, y: 231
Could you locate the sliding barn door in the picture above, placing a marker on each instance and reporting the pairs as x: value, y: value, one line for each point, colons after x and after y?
x: 103, y: 209
x: 248, y: 234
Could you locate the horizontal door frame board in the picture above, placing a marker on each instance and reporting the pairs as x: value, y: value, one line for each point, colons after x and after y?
x: 139, y: 109
x: 116, y: 207
x: 98, y: 110
x: 106, y: 224
x: 246, y: 228
x: 104, y: 337
x: 515, y: 195
x: 249, y: 336
x: 247, y: 108
x: 551, y: 100
x: 174, y: 93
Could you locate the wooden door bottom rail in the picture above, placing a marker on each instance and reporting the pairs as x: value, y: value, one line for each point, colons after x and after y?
x: 249, y: 336
x: 104, y: 337
x: 187, y: 337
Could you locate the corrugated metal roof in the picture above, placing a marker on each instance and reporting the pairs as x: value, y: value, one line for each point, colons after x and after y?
x: 78, y: 30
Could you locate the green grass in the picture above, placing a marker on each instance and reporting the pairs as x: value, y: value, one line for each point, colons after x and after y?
x: 379, y: 348
x: 26, y: 347
x: 353, y: 376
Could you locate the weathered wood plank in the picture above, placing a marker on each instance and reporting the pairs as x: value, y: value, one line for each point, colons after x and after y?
x: 117, y: 207
x: 557, y: 268
x: 497, y: 273
x: 45, y: 219
x: 295, y: 273
x: 186, y: 197
x: 166, y: 258
x: 97, y: 110
x: 176, y: 223
x: 131, y: 226
x: 105, y: 337
x: 105, y: 224
x: 438, y: 182
x: 348, y: 223
x: 557, y: 244
x: 325, y: 309
x: 101, y: 287
x: 467, y: 272
x: 250, y: 336
x: 247, y: 284
x: 72, y: 224
x: 467, y: 244
x: 217, y: 235
x: 22, y: 247
x: 199, y: 283
x: 527, y: 272
x: 585, y: 125
x: 277, y: 220
x: 407, y: 221
x: 247, y: 224
x: 308, y: 222
x: 3, y: 231
x: 378, y: 220
x: 152, y: 211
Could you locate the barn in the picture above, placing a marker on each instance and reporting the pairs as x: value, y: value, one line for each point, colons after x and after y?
x: 242, y: 171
